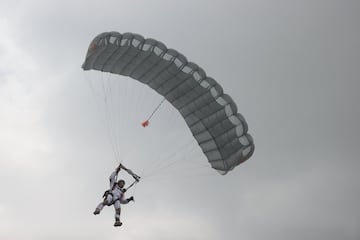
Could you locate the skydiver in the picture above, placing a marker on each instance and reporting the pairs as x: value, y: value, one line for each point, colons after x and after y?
x: 114, y: 196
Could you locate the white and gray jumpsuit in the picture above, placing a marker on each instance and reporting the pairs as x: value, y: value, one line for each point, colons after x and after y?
x: 115, y: 196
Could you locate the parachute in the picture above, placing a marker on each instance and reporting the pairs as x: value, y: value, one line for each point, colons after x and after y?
x: 210, y: 114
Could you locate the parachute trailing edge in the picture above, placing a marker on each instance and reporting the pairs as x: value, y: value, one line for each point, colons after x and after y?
x: 210, y: 114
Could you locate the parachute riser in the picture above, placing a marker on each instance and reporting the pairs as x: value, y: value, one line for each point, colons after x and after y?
x: 131, y: 173
x: 131, y: 185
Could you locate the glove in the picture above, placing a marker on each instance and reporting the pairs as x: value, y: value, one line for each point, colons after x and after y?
x: 123, y: 190
x: 131, y: 199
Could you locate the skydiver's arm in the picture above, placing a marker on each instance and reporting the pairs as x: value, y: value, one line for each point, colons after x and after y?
x: 113, y: 178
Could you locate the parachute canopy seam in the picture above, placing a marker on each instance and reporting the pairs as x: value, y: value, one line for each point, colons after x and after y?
x: 183, y: 82
x: 220, y: 146
x: 155, y: 64
x: 216, y: 112
x: 168, y: 65
x: 189, y: 101
x: 131, y: 59
x: 108, y: 57
x: 142, y: 61
x: 127, y: 48
x: 96, y: 57
x: 208, y: 128
x: 173, y: 78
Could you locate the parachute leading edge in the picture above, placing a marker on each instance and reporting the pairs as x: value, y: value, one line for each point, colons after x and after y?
x: 211, y: 115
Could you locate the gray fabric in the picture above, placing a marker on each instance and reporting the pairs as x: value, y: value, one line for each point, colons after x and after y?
x: 210, y: 114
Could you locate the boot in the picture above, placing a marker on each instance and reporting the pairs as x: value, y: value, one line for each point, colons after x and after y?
x: 117, y: 224
x: 97, y: 211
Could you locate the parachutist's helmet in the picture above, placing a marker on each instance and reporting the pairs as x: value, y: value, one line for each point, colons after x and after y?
x: 121, y: 183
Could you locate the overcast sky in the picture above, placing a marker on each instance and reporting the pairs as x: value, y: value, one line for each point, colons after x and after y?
x: 292, y: 67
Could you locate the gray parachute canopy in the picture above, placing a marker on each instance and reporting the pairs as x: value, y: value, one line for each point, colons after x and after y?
x: 210, y: 114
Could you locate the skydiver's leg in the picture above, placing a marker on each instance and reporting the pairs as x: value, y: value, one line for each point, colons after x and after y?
x: 107, y: 202
x: 124, y: 201
x: 117, y: 207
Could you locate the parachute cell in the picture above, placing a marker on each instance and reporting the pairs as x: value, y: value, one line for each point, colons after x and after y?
x: 211, y: 115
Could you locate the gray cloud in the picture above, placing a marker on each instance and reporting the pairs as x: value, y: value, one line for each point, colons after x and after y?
x: 292, y: 67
